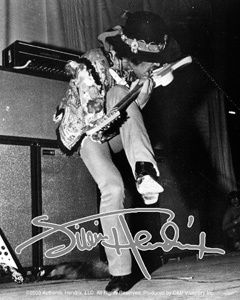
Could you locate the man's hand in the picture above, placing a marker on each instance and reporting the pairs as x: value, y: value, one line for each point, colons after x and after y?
x: 145, y: 92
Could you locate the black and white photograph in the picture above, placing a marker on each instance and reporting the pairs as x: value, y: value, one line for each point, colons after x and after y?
x: 119, y: 149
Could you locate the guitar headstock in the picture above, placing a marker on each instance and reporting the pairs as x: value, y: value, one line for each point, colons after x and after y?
x: 164, y: 75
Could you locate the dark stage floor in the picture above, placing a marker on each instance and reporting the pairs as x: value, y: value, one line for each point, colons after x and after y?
x: 213, y: 277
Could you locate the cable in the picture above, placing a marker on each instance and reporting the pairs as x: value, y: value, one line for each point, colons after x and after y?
x: 24, y: 66
x: 217, y: 85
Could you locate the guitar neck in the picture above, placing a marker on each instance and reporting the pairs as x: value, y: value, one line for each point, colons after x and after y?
x: 98, y: 132
x: 172, y: 66
x: 129, y: 98
x: 158, y: 73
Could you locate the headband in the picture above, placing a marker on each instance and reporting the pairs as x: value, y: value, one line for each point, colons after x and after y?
x: 141, y: 45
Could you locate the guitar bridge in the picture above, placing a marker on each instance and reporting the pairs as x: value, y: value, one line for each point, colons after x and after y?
x: 110, y: 130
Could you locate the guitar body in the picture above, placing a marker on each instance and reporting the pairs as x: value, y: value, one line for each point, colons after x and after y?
x: 9, y: 263
x: 107, y: 132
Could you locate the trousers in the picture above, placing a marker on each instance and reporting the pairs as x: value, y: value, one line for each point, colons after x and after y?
x: 133, y: 138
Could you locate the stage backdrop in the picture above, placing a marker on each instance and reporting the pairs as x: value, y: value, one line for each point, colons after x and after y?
x: 75, y: 24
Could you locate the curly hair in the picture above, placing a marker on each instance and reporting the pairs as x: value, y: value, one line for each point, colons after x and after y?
x: 91, y: 68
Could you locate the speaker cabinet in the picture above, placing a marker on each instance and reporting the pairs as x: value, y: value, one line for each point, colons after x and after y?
x: 68, y: 193
x: 35, y: 177
x: 63, y: 190
x: 28, y: 104
x: 15, y: 198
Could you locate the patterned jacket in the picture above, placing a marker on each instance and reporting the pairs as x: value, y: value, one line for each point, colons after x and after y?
x: 84, y: 103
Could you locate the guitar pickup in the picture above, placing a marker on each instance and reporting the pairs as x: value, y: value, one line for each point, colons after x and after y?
x: 107, y: 121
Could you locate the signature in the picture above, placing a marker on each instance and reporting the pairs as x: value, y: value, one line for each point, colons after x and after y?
x: 141, y: 241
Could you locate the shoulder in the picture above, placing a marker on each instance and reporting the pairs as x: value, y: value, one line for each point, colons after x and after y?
x: 100, y: 63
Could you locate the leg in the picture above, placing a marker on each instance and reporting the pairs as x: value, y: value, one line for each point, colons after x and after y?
x: 137, y: 146
x: 133, y: 133
x: 98, y: 160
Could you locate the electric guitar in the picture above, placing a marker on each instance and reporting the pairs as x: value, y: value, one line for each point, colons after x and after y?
x: 105, y: 128
x: 9, y: 263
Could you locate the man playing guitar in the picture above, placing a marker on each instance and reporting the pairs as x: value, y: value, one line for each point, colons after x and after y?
x: 105, y: 83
